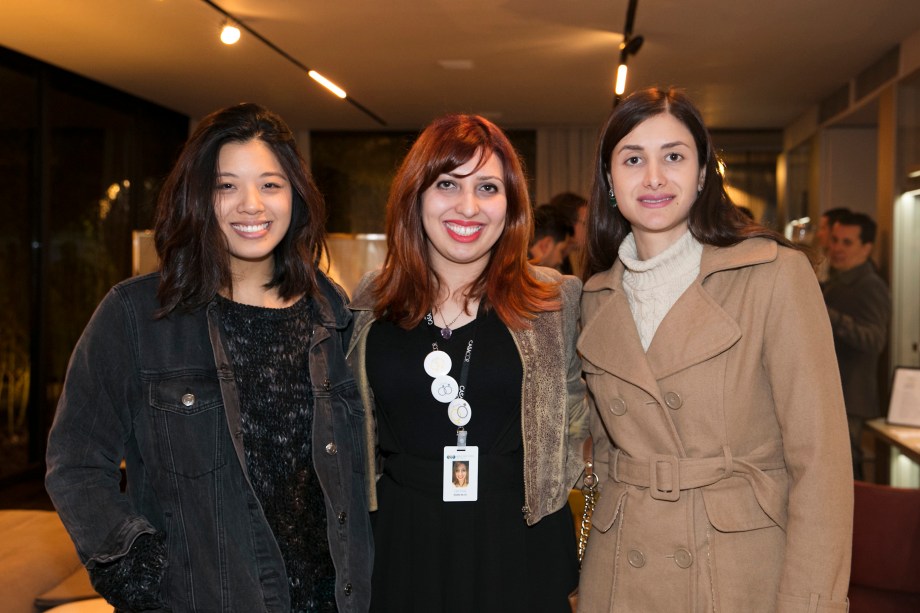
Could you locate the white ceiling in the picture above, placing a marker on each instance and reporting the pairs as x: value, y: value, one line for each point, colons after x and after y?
x: 747, y: 63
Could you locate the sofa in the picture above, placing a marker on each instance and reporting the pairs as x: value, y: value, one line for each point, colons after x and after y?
x: 41, y: 569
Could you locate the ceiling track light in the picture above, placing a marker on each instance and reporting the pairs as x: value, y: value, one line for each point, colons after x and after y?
x: 629, y: 46
x: 230, y: 33
x: 232, y: 20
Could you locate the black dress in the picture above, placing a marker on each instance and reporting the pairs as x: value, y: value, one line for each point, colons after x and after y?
x: 434, y: 556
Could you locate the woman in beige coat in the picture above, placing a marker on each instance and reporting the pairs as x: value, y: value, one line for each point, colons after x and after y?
x: 717, y: 414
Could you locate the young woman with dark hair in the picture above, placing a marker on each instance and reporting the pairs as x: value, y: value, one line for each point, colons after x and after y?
x: 717, y: 415
x: 465, y: 352
x: 221, y: 381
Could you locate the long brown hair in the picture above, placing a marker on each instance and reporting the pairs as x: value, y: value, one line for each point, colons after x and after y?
x: 714, y: 219
x: 407, y: 286
x: 194, y: 259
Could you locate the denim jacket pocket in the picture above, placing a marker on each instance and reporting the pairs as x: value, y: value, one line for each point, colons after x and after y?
x: 188, y: 413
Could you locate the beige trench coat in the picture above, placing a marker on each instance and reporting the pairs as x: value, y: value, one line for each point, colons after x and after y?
x: 723, y: 454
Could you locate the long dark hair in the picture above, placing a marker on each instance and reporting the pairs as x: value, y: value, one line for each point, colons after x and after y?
x: 194, y: 257
x: 407, y: 286
x: 713, y: 220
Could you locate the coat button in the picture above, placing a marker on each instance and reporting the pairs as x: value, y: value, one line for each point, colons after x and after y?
x: 673, y: 400
x: 683, y: 558
x: 327, y: 384
x: 636, y: 558
x: 618, y: 406
x: 342, y: 517
x: 188, y: 399
x: 347, y: 589
x: 331, y: 449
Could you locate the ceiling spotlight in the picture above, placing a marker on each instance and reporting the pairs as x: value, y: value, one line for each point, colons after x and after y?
x: 230, y: 34
x: 629, y: 46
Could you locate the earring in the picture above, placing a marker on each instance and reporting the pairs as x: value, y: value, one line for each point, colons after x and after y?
x: 613, y: 198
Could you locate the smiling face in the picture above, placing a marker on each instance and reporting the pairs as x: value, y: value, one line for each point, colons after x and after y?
x: 253, y: 202
x: 656, y: 176
x: 460, y: 474
x: 463, y: 215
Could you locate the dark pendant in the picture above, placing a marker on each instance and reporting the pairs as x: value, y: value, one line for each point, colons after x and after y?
x: 445, y: 332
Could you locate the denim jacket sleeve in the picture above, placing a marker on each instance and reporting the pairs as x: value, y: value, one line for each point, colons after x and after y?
x: 92, y: 426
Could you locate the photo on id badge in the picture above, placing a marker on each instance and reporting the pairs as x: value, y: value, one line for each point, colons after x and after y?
x: 461, y: 474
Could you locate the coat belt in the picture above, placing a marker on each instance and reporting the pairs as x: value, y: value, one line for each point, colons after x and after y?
x: 666, y: 475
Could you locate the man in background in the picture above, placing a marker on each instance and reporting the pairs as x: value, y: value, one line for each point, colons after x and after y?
x: 551, y: 236
x: 859, y: 307
x: 823, y: 239
x: 575, y: 208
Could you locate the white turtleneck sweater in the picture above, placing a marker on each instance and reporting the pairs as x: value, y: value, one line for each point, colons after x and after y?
x: 653, y: 286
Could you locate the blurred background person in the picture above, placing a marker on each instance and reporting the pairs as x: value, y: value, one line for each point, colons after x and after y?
x: 859, y: 306
x: 575, y: 207
x: 552, y: 235
x: 823, y: 239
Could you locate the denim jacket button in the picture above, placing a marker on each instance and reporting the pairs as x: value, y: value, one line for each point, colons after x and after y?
x: 188, y: 399
x: 342, y: 517
x: 331, y: 449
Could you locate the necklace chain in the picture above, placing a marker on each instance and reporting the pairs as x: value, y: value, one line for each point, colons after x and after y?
x: 444, y: 319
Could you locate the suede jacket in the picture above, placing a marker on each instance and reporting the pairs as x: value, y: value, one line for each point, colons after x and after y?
x: 161, y: 394
x: 553, y: 407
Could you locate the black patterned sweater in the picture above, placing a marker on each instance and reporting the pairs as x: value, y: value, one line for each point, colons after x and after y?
x: 269, y: 350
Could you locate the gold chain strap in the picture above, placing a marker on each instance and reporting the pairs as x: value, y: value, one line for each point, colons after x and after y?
x: 589, y: 489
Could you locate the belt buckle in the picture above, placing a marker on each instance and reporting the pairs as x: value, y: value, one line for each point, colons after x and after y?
x: 673, y: 494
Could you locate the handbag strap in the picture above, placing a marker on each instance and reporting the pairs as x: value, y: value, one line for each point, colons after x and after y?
x: 589, y: 489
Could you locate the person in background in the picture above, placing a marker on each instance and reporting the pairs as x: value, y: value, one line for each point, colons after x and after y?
x: 462, y: 347
x: 221, y: 380
x: 716, y: 410
x: 575, y: 207
x: 823, y: 240
x: 859, y: 306
x: 552, y: 234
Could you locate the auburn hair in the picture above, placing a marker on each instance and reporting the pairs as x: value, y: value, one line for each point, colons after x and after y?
x: 407, y: 286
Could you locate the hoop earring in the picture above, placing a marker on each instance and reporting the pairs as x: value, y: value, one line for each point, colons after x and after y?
x: 613, y: 198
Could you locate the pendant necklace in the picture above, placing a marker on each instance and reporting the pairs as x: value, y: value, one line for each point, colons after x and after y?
x: 446, y: 331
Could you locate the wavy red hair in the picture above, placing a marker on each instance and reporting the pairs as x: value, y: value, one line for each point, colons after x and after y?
x: 407, y: 286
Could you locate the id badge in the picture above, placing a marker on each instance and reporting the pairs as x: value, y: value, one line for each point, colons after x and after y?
x: 461, y: 474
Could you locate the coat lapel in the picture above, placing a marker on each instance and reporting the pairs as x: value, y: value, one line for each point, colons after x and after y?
x: 696, y: 329
x: 609, y: 339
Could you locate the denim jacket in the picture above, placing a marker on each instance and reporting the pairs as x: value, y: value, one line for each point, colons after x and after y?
x: 161, y: 394
x: 554, y: 414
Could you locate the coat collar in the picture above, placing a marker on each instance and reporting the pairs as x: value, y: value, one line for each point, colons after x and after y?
x: 715, y: 259
x: 694, y: 330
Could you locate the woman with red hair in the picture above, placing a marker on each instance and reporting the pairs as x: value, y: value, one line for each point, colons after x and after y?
x: 465, y: 352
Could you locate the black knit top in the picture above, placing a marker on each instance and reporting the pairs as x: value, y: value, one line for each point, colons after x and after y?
x: 269, y: 350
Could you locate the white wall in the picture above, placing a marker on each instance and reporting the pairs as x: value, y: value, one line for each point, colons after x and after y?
x: 849, y: 171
